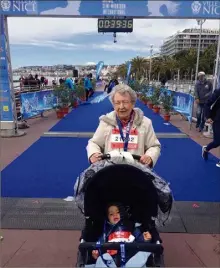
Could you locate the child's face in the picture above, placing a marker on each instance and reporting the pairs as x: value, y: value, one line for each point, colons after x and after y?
x: 113, y: 215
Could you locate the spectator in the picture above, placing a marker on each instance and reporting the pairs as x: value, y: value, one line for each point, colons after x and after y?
x: 212, y: 113
x: 87, y: 86
x: 112, y: 84
x: 203, y: 90
x: 69, y: 83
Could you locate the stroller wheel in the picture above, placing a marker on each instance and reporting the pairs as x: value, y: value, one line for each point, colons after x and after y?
x: 159, y: 260
x: 155, y: 260
x: 80, y: 260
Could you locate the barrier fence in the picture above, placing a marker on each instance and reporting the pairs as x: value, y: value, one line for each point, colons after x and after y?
x: 183, y: 103
x: 35, y: 103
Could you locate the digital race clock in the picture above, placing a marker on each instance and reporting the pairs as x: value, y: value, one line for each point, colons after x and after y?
x: 115, y: 25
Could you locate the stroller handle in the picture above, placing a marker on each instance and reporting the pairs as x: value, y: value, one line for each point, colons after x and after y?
x: 137, y: 246
x: 108, y: 157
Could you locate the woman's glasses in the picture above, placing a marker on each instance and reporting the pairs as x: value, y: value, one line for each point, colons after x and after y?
x: 119, y: 103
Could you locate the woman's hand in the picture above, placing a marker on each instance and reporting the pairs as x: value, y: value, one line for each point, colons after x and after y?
x: 146, y: 160
x: 95, y: 157
x: 95, y: 254
x: 147, y: 236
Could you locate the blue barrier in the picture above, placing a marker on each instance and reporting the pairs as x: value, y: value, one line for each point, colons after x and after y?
x: 35, y: 103
x: 182, y: 102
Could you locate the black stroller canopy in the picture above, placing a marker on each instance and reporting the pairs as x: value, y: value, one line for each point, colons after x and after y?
x: 133, y: 185
x: 121, y: 183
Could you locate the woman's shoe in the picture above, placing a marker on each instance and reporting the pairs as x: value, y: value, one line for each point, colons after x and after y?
x: 204, y: 153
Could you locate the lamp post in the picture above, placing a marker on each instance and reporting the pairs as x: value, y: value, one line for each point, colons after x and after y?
x: 200, y: 23
x: 151, y: 53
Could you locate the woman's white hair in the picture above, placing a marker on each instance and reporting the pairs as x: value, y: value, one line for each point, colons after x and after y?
x: 122, y: 89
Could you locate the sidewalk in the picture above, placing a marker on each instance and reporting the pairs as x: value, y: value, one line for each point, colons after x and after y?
x: 11, y: 148
x: 198, y: 137
x: 59, y: 249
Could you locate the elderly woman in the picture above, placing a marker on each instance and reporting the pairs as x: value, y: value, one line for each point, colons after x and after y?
x: 125, y: 129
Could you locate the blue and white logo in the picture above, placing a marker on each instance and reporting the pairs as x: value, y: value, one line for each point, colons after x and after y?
x: 5, y: 5
x: 196, y: 7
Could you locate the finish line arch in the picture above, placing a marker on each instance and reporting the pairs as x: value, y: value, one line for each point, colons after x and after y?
x: 138, y: 9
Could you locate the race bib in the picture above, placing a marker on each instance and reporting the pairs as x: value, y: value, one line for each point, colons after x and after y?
x: 117, y: 141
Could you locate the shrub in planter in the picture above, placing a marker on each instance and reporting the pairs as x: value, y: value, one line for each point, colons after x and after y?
x: 144, y: 99
x: 80, y: 92
x: 166, y: 117
x: 167, y: 101
x: 155, y: 99
x: 61, y: 111
x: 60, y: 114
x: 135, y: 85
x: 156, y: 109
x: 63, y: 95
x: 150, y: 104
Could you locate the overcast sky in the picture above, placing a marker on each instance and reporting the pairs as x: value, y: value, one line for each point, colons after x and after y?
x: 49, y: 41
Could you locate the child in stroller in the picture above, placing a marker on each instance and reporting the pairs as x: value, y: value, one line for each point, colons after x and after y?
x: 118, y: 228
x: 135, y: 187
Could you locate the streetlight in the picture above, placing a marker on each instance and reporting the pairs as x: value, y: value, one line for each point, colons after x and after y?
x: 151, y: 52
x: 200, y: 23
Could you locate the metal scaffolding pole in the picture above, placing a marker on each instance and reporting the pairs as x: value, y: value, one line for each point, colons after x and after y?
x: 200, y: 23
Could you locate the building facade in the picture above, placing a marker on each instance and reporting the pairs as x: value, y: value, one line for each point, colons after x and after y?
x: 188, y: 38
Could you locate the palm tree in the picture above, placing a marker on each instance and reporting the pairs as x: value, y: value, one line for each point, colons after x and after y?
x: 167, y: 66
x: 139, y: 66
x: 186, y: 61
x: 122, y: 71
x: 207, y: 60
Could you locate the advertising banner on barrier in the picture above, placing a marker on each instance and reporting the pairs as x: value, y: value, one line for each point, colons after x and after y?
x: 34, y: 103
x: 6, y: 112
x: 133, y: 8
x: 183, y: 104
x: 150, y: 91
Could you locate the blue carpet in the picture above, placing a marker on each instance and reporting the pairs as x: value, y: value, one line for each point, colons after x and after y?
x: 50, y: 166
x: 83, y: 119
x: 157, y: 120
x: 191, y: 178
x: 90, y: 114
x: 47, y: 169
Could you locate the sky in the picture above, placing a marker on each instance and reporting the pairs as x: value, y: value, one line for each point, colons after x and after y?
x: 76, y: 41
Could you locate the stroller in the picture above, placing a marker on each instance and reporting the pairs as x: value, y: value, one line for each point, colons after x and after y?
x: 147, y: 197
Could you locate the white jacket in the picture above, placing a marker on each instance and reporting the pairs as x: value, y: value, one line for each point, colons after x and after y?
x: 147, y: 141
